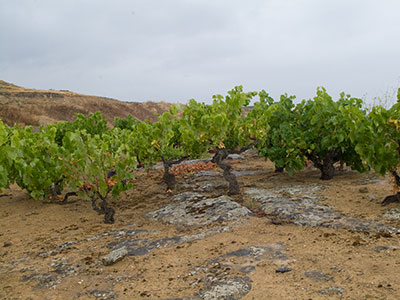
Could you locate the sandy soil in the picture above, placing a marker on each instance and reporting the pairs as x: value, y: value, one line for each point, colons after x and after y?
x: 50, y: 251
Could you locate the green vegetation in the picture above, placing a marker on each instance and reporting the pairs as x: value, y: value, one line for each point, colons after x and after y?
x: 376, y: 137
x: 98, y: 167
x: 313, y: 130
x: 97, y: 163
x: 36, y: 164
x: 6, y: 158
x: 220, y: 127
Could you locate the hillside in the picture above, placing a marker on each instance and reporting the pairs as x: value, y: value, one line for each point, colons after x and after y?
x: 42, y: 107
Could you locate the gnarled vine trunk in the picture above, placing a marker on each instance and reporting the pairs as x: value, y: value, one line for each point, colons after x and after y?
x: 326, y: 164
x: 56, y: 190
x: 219, y: 158
x: 103, y: 208
x: 67, y: 195
x: 391, y: 199
x: 395, y: 197
x: 108, y: 212
x: 327, y: 169
x: 168, y: 177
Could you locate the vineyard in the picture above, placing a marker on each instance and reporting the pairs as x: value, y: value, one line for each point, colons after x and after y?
x: 276, y: 200
x: 87, y: 158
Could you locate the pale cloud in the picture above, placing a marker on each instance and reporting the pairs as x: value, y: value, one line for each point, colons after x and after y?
x: 176, y: 50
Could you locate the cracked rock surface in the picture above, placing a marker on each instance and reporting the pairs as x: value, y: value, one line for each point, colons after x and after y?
x: 298, y: 204
x: 193, y: 209
x: 282, y: 236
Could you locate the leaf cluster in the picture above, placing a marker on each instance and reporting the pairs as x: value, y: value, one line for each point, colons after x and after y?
x: 221, y: 123
x: 6, y: 161
x: 93, y: 124
x: 90, y: 160
x: 315, y: 130
x: 36, y: 164
x: 376, y: 136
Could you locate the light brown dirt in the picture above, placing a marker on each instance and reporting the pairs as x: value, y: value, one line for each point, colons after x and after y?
x: 42, y: 107
x: 347, y: 256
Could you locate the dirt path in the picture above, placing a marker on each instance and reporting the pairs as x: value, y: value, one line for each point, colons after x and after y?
x: 282, y: 238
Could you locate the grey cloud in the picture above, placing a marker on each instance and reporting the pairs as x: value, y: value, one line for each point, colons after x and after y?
x: 176, y: 50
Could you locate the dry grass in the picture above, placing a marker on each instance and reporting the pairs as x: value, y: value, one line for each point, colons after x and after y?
x: 42, y: 107
x: 11, y: 115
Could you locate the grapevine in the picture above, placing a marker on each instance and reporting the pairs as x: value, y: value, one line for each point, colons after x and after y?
x: 95, y: 162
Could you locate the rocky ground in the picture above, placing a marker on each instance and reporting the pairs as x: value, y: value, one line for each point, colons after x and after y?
x: 282, y: 238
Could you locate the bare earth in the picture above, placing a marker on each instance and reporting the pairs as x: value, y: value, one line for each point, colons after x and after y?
x: 42, y: 107
x: 309, y: 239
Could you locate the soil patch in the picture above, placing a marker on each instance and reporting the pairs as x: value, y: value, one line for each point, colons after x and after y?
x: 281, y: 238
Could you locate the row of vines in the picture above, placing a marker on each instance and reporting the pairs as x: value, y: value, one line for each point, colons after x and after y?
x: 87, y: 158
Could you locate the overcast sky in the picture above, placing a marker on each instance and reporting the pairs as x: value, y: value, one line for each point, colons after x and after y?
x: 175, y: 50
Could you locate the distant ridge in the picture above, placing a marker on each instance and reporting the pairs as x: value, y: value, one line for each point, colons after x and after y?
x: 42, y: 107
